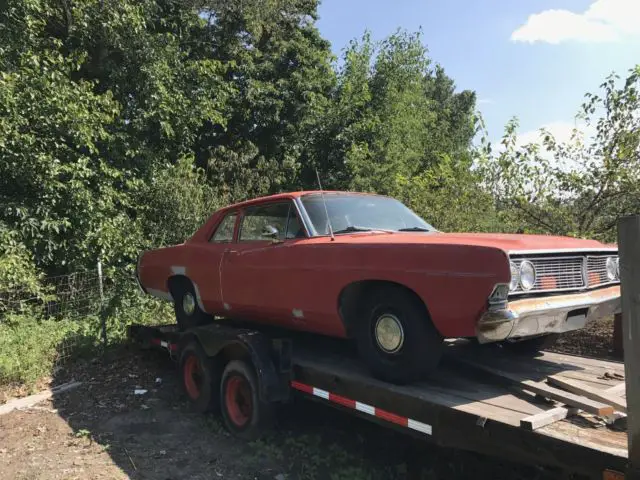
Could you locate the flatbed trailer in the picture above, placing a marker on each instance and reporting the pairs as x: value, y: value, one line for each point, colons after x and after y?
x: 481, y: 399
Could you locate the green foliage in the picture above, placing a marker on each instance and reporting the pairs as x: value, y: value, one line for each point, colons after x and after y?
x: 124, y: 124
x: 176, y: 202
x: 579, y: 187
x: 396, y: 126
x: 17, y: 271
x: 30, y: 347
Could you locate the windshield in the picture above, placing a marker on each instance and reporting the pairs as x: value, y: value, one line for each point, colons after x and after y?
x: 352, y: 213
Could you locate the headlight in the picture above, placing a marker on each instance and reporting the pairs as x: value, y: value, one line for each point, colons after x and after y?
x: 515, y: 276
x: 612, y: 268
x: 527, y: 275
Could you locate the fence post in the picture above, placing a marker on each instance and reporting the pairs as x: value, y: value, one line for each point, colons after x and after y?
x: 629, y: 249
x: 103, y: 319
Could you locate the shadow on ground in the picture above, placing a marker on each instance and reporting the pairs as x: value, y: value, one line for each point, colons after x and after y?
x: 104, y: 429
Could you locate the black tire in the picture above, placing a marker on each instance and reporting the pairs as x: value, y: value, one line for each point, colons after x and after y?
x: 531, y: 346
x: 243, y: 413
x: 200, y: 378
x: 180, y: 289
x: 421, y: 347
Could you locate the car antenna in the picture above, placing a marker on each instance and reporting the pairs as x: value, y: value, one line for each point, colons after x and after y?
x: 324, y: 202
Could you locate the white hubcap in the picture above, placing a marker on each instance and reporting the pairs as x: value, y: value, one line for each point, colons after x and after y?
x: 188, y: 304
x: 389, y: 333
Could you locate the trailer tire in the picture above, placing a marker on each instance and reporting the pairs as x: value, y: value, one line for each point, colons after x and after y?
x: 185, y: 304
x: 531, y: 346
x: 244, y: 414
x: 200, y: 378
x: 410, y: 348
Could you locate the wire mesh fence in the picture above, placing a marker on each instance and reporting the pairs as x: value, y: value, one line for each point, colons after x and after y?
x: 52, y: 321
x: 75, y: 295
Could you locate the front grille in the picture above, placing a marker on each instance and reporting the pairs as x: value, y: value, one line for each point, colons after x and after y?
x: 597, y: 271
x: 558, y: 273
x: 577, y: 272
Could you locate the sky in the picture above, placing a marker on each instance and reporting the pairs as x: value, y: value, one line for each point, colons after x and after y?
x: 531, y: 59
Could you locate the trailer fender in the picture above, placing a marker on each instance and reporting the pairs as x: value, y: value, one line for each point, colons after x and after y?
x: 219, y: 343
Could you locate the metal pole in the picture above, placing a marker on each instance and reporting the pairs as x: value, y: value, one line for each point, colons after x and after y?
x: 629, y: 249
x: 103, y: 319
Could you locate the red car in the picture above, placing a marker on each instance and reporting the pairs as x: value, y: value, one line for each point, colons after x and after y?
x: 368, y: 268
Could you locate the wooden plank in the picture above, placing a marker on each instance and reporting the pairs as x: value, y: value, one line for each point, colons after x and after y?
x: 579, y: 388
x: 590, y: 406
x: 617, y: 390
x: 547, y: 417
x: 36, y: 398
x: 584, y: 362
x: 629, y: 248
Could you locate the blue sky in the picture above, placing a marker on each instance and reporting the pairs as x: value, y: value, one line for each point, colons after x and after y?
x: 532, y: 59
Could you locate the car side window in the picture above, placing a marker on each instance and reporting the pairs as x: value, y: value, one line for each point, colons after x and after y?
x: 258, y: 219
x: 224, y: 232
x: 274, y: 221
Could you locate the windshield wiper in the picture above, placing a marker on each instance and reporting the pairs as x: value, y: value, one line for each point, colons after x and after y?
x: 414, y: 229
x: 352, y: 228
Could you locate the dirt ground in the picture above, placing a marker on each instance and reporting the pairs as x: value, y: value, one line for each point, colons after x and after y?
x: 102, y: 430
x: 595, y: 340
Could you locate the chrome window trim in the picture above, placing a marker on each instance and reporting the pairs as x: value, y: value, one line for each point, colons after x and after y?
x: 306, y: 221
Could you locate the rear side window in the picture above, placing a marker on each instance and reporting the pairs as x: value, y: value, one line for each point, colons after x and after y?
x: 224, y: 232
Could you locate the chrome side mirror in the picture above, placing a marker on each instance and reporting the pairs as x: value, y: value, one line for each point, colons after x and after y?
x: 269, y: 231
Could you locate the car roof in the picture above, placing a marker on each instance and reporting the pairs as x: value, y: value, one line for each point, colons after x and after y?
x: 289, y: 195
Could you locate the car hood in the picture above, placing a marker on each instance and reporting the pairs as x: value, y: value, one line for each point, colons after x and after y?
x: 510, y: 243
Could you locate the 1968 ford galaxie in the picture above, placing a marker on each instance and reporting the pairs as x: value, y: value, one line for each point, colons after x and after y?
x: 366, y: 267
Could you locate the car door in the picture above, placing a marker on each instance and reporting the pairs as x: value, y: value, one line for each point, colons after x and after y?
x: 256, y: 272
x: 206, y: 262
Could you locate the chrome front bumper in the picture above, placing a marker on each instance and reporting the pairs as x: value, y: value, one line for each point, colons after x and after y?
x: 530, y: 317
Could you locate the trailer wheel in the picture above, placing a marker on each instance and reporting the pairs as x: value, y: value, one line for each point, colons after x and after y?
x: 200, y: 377
x: 244, y: 414
x: 531, y: 346
x: 396, y: 337
x: 185, y: 304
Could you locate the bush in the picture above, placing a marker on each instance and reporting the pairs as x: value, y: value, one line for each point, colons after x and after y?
x: 30, y: 348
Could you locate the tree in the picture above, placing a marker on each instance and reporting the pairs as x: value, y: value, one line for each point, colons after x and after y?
x: 579, y: 187
x: 397, y: 126
x: 279, y: 67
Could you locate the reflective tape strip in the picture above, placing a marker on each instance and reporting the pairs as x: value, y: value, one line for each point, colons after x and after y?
x: 365, y: 408
x: 419, y: 426
x: 321, y: 393
x: 172, y: 347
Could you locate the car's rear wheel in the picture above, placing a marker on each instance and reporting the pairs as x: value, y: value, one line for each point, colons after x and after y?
x: 185, y: 303
x: 531, y: 346
x: 396, y: 337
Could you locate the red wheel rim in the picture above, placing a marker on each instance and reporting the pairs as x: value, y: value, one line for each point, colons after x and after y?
x: 192, y: 376
x: 238, y: 400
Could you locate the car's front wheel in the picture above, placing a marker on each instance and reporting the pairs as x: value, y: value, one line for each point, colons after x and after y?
x: 396, y: 337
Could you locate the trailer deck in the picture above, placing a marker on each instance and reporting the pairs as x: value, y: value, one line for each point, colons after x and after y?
x: 474, y: 402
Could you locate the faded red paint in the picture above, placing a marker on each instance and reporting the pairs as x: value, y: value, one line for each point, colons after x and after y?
x: 453, y: 273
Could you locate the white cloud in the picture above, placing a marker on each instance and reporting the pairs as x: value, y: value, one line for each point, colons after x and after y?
x: 603, y: 21
x: 561, y: 131
x: 485, y: 101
